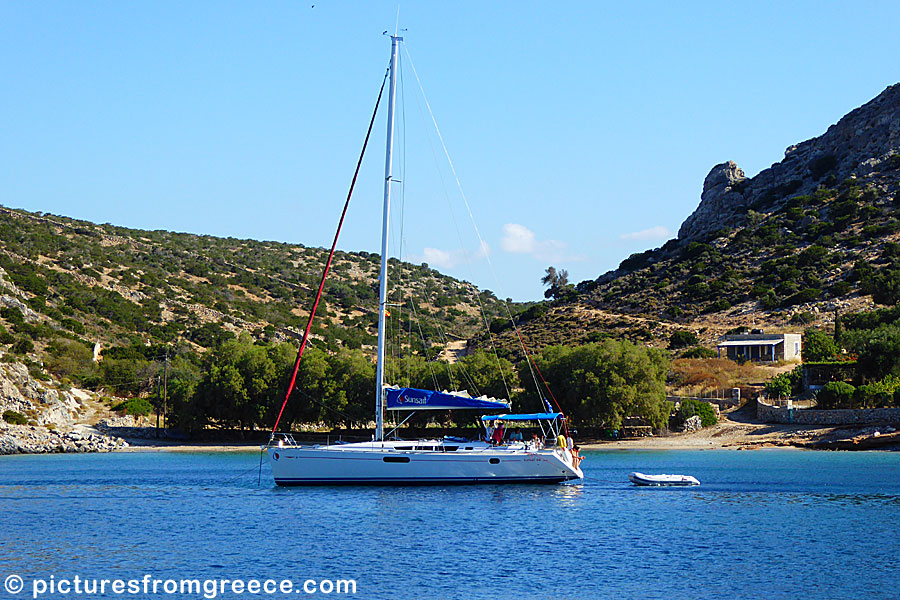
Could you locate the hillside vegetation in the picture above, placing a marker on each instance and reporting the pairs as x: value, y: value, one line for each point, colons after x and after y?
x: 66, y: 285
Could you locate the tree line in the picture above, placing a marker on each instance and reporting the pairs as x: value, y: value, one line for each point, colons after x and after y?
x: 241, y: 384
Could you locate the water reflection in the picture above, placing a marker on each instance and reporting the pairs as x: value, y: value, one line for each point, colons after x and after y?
x: 569, y: 495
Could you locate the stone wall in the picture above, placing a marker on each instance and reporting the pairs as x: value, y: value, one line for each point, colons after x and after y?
x: 722, y: 403
x: 774, y: 414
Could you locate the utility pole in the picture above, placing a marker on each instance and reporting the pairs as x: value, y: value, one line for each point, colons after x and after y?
x: 157, y: 406
x: 165, y: 381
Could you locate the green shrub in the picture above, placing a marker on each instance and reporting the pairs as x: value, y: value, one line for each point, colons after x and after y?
x: 785, y: 384
x: 139, y: 407
x: 803, y: 318
x: 15, y: 418
x: 23, y: 346
x: 682, y: 339
x: 37, y: 372
x: 690, y: 407
x: 841, y: 288
x: 876, y: 394
x: 835, y: 394
x: 699, y: 352
x: 886, y: 287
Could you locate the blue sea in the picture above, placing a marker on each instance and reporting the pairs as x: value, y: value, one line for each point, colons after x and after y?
x: 764, y: 524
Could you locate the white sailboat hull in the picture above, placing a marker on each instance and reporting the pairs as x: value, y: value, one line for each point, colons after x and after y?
x: 392, y: 463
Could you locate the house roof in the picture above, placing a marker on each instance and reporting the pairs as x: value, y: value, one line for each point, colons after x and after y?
x: 765, y: 342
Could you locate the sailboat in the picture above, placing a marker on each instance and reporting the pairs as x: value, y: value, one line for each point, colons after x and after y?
x: 436, y: 461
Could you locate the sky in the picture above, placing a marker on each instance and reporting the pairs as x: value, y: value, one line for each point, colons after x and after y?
x: 580, y: 132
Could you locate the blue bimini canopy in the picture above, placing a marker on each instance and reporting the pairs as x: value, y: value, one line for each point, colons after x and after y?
x: 415, y: 399
x: 523, y: 417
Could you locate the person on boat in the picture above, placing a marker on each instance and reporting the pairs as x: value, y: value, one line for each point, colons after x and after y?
x: 536, y: 442
x: 497, y: 437
x: 489, y: 433
x: 516, y: 435
x: 576, y: 457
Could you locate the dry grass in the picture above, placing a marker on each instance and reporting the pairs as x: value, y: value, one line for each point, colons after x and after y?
x: 698, y: 376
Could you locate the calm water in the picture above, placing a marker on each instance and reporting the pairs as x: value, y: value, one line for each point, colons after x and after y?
x: 766, y: 524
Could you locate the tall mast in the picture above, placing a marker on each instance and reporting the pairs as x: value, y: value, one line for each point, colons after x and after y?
x: 382, y: 296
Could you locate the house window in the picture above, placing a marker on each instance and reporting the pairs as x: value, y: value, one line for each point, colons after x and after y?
x: 796, y: 347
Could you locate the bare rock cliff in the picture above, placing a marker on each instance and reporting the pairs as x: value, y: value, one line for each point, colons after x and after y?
x: 856, y: 145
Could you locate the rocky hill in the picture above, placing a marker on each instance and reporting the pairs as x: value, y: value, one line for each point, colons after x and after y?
x: 815, y: 233
x: 69, y: 288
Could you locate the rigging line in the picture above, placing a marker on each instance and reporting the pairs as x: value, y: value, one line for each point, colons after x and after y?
x: 475, y: 226
x: 424, y: 342
x: 482, y: 245
x: 325, y: 406
x: 337, y: 234
x: 400, y: 237
x: 527, y: 357
x: 439, y: 333
x: 444, y: 340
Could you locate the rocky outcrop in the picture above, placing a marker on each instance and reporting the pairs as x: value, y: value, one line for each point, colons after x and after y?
x: 22, y: 393
x: 127, y: 427
x: 14, y: 302
x: 9, y: 286
x: 52, y: 416
x: 720, y: 203
x: 860, y: 144
x: 25, y: 439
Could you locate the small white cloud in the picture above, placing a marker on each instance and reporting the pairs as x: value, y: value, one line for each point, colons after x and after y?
x: 654, y: 233
x: 438, y: 258
x: 447, y: 259
x: 518, y: 239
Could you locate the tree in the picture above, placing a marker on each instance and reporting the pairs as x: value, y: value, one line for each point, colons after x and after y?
x: 600, y: 384
x: 558, y: 284
x: 818, y: 346
x: 779, y: 386
x: 879, y: 355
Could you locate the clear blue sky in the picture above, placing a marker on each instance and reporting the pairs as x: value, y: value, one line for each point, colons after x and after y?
x: 581, y: 132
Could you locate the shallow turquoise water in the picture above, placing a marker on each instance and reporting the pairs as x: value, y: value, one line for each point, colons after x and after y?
x: 765, y: 524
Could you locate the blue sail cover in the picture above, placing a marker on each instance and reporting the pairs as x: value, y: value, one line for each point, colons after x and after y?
x: 523, y: 417
x: 415, y: 399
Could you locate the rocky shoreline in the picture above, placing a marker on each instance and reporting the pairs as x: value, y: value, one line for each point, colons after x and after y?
x: 30, y: 439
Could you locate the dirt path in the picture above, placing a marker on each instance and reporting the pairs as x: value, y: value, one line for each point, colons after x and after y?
x: 455, y: 350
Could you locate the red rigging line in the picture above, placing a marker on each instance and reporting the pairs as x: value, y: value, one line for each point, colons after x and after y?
x: 529, y: 358
x: 337, y: 234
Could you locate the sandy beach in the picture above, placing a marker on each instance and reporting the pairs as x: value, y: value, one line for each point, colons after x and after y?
x: 737, y: 432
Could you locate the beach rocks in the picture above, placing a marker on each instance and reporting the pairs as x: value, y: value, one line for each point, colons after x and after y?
x: 29, y: 439
x: 692, y: 424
